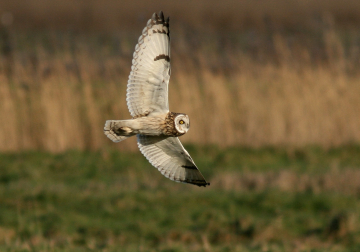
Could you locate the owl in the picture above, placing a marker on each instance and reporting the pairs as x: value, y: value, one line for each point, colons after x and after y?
x: 157, y: 129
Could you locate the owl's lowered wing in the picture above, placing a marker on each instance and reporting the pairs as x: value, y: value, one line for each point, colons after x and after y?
x: 147, y: 89
x: 169, y: 156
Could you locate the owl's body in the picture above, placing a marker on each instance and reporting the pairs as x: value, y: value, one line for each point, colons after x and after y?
x: 157, y: 128
x: 169, y: 124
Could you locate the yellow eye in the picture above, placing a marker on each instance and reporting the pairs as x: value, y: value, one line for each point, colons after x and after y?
x: 181, y: 122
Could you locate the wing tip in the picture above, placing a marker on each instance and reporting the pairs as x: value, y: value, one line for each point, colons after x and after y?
x: 203, y: 184
x: 159, y: 18
x: 161, y: 15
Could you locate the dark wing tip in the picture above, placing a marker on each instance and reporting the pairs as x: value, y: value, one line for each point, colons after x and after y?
x: 203, y: 183
x: 160, y: 19
x: 154, y: 16
x: 161, y: 15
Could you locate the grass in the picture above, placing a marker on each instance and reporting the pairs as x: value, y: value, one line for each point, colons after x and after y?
x: 259, y: 200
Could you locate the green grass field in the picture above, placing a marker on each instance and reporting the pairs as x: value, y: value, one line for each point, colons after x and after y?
x: 259, y: 200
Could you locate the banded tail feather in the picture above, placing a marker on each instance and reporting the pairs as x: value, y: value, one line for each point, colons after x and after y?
x: 116, y: 133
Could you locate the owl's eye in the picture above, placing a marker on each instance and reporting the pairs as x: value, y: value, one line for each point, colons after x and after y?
x: 181, y: 122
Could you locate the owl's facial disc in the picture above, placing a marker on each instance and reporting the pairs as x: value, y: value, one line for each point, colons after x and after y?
x: 182, y: 123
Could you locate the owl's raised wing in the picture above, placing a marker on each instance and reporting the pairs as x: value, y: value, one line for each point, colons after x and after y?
x: 147, y: 89
x: 169, y: 156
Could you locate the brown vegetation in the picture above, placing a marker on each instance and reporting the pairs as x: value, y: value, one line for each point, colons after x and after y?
x: 255, y: 79
x: 110, y: 15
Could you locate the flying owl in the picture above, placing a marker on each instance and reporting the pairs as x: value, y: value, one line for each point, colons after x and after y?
x: 157, y: 129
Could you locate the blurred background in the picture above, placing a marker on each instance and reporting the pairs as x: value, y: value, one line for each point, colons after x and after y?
x: 273, y: 92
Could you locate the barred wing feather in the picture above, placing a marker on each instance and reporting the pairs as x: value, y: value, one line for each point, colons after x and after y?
x: 169, y: 156
x: 147, y: 89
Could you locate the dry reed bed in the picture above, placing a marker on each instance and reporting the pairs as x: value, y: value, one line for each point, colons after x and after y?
x: 57, y: 89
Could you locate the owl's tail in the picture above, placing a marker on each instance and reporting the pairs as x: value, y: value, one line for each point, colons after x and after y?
x: 116, y: 131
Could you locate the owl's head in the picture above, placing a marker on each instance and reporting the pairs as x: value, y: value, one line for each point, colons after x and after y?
x: 182, y: 123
